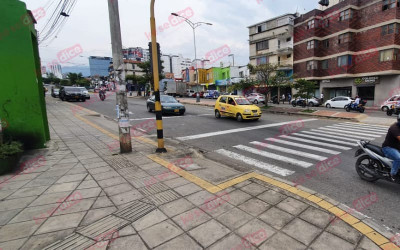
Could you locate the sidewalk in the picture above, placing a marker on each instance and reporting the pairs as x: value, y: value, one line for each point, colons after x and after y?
x: 84, y: 195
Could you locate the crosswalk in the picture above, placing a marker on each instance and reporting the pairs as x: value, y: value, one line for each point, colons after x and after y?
x: 304, y: 148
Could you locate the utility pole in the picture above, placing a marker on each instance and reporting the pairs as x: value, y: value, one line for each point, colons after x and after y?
x: 119, y: 74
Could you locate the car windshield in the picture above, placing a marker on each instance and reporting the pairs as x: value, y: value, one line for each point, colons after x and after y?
x: 242, y: 101
x: 73, y: 89
x: 168, y: 99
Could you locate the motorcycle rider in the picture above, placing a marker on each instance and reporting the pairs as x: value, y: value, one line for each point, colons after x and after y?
x: 356, y: 102
x: 391, y: 147
x: 102, y: 91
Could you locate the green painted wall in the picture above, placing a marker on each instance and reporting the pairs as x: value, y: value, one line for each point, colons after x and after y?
x: 22, y: 102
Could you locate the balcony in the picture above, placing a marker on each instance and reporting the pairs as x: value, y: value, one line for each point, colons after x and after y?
x: 284, y: 51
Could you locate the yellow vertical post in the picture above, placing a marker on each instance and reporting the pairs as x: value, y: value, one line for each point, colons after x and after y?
x: 160, y: 135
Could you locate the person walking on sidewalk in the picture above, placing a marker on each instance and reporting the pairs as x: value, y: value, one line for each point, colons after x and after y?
x: 289, y: 98
x: 283, y: 98
x: 322, y: 98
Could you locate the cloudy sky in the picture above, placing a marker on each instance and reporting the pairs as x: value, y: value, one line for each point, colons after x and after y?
x: 88, y: 26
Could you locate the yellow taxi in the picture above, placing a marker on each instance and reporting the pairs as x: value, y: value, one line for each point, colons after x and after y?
x: 236, y: 106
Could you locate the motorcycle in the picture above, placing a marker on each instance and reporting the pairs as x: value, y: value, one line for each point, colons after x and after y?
x: 372, y: 164
x: 360, y: 107
x: 393, y: 110
x: 102, y: 95
x: 299, y: 102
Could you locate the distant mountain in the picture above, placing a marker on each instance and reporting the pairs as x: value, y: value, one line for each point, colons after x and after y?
x: 85, y: 70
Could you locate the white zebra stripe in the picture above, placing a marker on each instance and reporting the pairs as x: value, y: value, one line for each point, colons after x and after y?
x: 356, y: 130
x: 360, y: 127
x: 328, y: 151
x: 325, y: 139
x: 348, y: 132
x: 289, y: 151
x: 331, y: 136
x: 350, y: 136
x: 325, y: 144
x: 366, y: 125
x: 254, y: 162
x: 273, y: 156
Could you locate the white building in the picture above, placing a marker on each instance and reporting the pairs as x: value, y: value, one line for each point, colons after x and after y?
x: 179, y: 63
x: 56, y: 70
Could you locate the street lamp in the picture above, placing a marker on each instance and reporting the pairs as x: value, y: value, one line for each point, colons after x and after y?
x: 194, y: 26
x: 170, y: 61
x: 233, y: 57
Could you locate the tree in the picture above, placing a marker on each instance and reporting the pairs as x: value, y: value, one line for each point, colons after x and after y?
x: 83, y: 82
x: 305, y: 89
x: 148, y: 76
x: 64, y: 82
x: 73, y: 78
x: 264, y: 72
x: 280, y: 80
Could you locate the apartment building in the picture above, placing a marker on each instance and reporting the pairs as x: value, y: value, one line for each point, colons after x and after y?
x: 351, y: 48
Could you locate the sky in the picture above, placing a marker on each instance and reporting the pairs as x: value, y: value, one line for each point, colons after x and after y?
x: 88, y: 26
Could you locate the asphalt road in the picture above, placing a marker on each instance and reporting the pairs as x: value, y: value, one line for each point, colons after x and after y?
x: 228, y: 141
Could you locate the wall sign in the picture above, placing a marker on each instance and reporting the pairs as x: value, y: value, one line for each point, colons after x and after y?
x: 367, y: 80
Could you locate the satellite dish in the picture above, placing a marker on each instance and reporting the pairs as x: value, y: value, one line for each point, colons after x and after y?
x: 324, y: 3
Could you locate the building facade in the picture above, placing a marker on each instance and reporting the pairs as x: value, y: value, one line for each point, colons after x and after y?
x: 99, y: 65
x: 56, y: 70
x: 136, y: 54
x: 350, y: 49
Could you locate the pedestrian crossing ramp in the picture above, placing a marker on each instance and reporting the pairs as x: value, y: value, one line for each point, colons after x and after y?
x: 303, y: 149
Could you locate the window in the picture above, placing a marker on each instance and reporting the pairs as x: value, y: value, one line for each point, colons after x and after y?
x: 311, y: 24
x: 389, y: 29
x: 289, y: 56
x: 325, y: 43
x: 231, y: 101
x: 279, y: 44
x: 389, y: 55
x: 311, y: 65
x: 325, y: 64
x: 279, y: 60
x: 223, y: 99
x: 288, y: 39
x: 344, y: 60
x: 345, y: 38
x: 388, y: 4
x: 312, y: 44
x: 262, y: 60
x: 262, y: 45
x: 261, y: 28
x: 241, y: 74
x: 325, y: 23
x: 344, y: 15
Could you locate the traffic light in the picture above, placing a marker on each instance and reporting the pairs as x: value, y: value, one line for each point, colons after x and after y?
x: 324, y: 2
x: 158, y: 58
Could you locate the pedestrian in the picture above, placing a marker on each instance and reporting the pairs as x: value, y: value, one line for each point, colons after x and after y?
x: 289, y: 98
x: 322, y: 98
x: 283, y: 98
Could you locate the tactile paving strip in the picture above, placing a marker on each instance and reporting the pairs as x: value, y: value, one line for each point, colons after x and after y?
x: 153, y: 187
x: 135, y: 211
x: 164, y: 197
x: 73, y: 241
x: 101, y: 228
x: 132, y: 173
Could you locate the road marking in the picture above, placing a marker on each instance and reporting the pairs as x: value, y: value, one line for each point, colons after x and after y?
x: 325, y: 144
x: 256, y: 163
x: 356, y: 130
x: 290, y: 151
x: 170, y: 117
x: 335, y: 133
x: 366, y: 125
x: 231, y: 131
x: 328, y: 151
x: 325, y: 139
x: 339, y: 131
x: 360, y: 127
x: 277, y: 157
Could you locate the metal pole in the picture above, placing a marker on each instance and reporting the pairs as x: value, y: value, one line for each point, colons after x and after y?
x: 195, y: 60
x: 170, y: 63
x: 160, y: 136
x: 122, y: 102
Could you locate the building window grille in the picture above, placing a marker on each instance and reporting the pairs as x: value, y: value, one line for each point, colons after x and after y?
x: 311, y: 24
x: 262, y: 45
x: 311, y: 65
x: 326, y: 43
x: 389, y: 55
x: 345, y: 15
x: 390, y: 29
x: 325, y: 64
x: 262, y: 60
x: 389, y: 4
x: 312, y: 44
x: 344, y: 60
x: 344, y: 38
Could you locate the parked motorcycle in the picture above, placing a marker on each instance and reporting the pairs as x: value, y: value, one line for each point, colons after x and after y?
x: 299, y: 102
x: 372, y: 165
x: 102, y: 95
x: 275, y: 99
x: 393, y: 110
x: 360, y: 107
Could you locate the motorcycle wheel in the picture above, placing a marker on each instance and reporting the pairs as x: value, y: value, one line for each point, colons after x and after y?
x: 389, y: 112
x: 362, y: 110
x: 367, y: 162
x: 348, y: 109
x: 293, y: 104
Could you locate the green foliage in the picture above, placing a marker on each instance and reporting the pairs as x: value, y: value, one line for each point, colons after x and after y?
x: 51, y: 78
x: 263, y: 71
x: 280, y: 79
x: 10, y: 149
x: 65, y: 82
x: 83, y: 82
x: 148, y: 76
x: 74, y: 78
x: 305, y: 89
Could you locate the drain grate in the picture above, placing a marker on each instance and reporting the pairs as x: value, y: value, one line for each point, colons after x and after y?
x: 101, y: 228
x: 153, y: 187
x: 164, y: 197
x: 135, y: 211
x: 73, y: 241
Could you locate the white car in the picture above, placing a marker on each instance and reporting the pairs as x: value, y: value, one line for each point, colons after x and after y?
x: 85, y: 92
x: 256, y: 98
x: 338, y: 102
x: 393, y: 100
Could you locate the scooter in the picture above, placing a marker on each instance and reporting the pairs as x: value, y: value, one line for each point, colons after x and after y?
x: 372, y: 164
x: 360, y: 107
x: 102, y: 95
x: 393, y: 110
x: 299, y: 102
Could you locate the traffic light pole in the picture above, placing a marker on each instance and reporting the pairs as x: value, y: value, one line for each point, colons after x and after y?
x: 160, y: 136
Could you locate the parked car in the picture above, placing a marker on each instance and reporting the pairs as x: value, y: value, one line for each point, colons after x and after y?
x: 338, y: 102
x: 72, y: 93
x: 211, y: 94
x: 169, y: 105
x: 55, y: 93
x: 389, y: 102
x: 256, y: 98
x: 190, y: 93
x: 85, y: 91
x: 236, y: 106
x: 201, y: 94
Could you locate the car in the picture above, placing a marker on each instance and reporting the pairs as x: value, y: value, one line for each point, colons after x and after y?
x: 338, y: 102
x: 169, y: 105
x: 85, y: 91
x: 72, y: 93
x: 201, y: 94
x: 190, y: 92
x: 256, y: 98
x: 389, y: 102
x: 236, y: 106
x: 211, y: 94
x: 313, y: 102
x: 55, y: 92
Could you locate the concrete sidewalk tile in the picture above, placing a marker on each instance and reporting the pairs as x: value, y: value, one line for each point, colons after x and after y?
x: 200, y: 198
x: 42, y: 182
x: 126, y: 197
x: 106, y: 175
x: 89, y: 192
x: 282, y: 241
x: 225, y: 207
x: 149, y: 220
x: 6, y: 193
x: 111, y: 182
x: 367, y: 244
x: 176, y: 182
x: 38, y: 242
x: 99, y: 170
x: 16, y: 203
x: 272, y: 197
x: 102, y: 201
x: 331, y: 242
x: 53, y: 173
x: 176, y: 207
x: 87, y: 184
x: 30, y: 213
x: 160, y: 233
x: 191, y: 218
x: 63, y: 187
x: 72, y: 178
x: 25, y: 177
x: 238, y: 197
x: 232, y: 241
x: 80, y: 205
x: 50, y: 198
x: 26, y: 192
x: 254, y: 206
x: 253, y: 189
x: 128, y: 242
x: 128, y: 230
x: 316, y: 217
x: 125, y: 187
x: 344, y: 231
x: 181, y: 242
x: 187, y: 189
x: 14, y: 184
x: 69, y: 160
x: 94, y: 215
x: 234, y: 218
x: 301, y: 231
x: 91, y: 160
x: 77, y: 170
x: 17, y: 230
x: 292, y: 206
x: 12, y: 245
x: 256, y: 228
x: 61, y: 222
x: 95, y: 165
x: 208, y: 233
x: 6, y: 216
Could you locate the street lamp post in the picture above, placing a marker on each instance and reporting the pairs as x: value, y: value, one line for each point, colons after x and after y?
x: 194, y: 26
